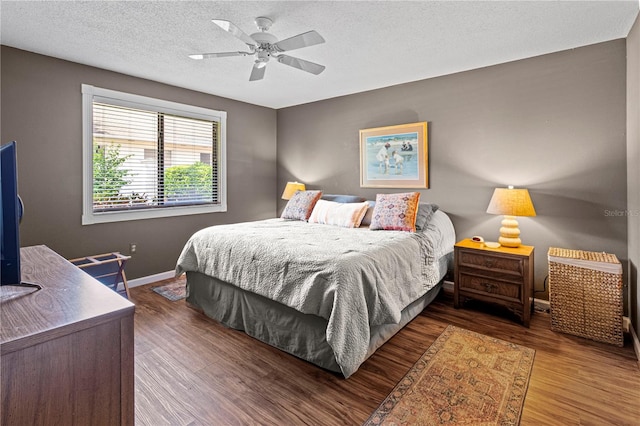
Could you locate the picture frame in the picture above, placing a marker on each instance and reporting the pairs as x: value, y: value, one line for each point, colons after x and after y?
x: 395, y: 156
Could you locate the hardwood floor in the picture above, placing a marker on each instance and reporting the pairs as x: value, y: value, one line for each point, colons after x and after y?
x: 191, y: 370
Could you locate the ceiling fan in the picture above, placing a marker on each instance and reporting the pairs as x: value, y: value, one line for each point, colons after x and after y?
x: 265, y: 46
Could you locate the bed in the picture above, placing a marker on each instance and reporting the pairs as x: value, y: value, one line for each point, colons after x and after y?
x: 327, y: 294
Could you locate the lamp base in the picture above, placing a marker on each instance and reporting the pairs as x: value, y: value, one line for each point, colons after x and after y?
x: 509, y: 232
x: 510, y: 242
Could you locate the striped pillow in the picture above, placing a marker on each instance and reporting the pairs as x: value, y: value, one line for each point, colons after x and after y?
x: 347, y: 215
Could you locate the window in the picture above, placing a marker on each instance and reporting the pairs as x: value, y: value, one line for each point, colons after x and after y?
x: 145, y: 158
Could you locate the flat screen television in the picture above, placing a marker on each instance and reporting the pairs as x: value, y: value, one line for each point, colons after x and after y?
x: 11, y: 213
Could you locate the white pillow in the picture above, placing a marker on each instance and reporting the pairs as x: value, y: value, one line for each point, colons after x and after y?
x: 347, y: 215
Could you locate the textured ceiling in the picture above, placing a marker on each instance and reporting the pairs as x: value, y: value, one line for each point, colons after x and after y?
x: 369, y: 44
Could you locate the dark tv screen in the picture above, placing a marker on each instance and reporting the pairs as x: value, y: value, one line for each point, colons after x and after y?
x: 11, y: 210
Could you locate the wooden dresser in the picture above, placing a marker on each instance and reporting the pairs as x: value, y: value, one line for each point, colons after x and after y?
x: 503, y: 276
x: 67, y: 350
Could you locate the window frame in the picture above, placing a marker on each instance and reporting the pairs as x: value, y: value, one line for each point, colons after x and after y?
x: 113, y: 97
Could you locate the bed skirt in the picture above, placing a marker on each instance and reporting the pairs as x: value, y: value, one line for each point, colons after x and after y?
x: 301, y: 335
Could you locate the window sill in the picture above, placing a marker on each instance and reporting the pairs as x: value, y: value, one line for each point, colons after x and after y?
x: 121, y: 216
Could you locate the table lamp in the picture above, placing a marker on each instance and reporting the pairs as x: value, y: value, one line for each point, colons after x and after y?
x: 510, y: 202
x: 292, y: 188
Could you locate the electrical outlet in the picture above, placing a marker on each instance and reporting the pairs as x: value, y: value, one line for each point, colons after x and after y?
x: 132, y: 248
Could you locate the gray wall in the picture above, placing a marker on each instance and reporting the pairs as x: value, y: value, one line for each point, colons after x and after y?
x: 633, y: 166
x: 41, y: 110
x: 554, y: 124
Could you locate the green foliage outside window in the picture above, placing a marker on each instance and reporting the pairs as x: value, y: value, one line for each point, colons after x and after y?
x: 188, y: 182
x: 108, y: 176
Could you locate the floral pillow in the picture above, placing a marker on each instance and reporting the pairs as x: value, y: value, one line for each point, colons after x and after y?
x: 301, y: 205
x: 395, y: 212
x: 347, y: 215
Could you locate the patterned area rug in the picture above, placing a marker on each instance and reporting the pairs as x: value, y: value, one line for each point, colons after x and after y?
x: 174, y: 290
x: 463, y: 378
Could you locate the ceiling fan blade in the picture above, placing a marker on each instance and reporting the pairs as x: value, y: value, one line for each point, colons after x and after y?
x: 307, y: 66
x: 257, y: 73
x: 218, y: 55
x: 301, y: 40
x: 234, y: 30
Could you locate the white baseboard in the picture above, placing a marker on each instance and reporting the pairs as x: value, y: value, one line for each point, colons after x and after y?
x: 541, y: 305
x: 447, y: 286
x: 148, y: 279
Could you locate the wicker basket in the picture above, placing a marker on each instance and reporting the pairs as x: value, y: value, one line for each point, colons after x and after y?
x: 585, y: 294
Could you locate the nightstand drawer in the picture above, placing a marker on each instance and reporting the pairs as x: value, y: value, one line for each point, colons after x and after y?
x: 495, y: 263
x: 482, y: 285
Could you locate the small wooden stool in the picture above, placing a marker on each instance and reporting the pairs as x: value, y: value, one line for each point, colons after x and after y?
x: 108, y: 268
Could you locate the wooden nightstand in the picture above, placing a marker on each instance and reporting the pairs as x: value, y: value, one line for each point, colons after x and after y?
x: 503, y: 276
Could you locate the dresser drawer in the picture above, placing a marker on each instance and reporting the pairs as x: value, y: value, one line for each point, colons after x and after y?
x: 487, y: 286
x: 488, y: 261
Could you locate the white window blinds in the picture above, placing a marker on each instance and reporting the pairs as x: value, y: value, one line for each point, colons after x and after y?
x: 148, y: 157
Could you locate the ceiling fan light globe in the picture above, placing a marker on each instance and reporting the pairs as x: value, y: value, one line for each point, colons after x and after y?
x: 263, y: 23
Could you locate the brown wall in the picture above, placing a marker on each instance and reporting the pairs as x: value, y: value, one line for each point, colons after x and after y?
x: 41, y: 110
x: 633, y: 167
x: 554, y: 124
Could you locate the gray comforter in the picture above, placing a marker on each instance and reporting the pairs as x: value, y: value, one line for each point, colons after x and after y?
x: 353, y: 278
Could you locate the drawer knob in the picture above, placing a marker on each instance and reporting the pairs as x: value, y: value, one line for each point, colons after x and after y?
x: 489, y: 263
x: 489, y: 287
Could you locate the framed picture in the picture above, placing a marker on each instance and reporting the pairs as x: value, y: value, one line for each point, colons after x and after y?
x: 394, y: 156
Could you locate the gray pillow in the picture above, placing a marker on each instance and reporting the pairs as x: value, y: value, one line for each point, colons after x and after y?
x: 339, y: 198
x: 425, y: 213
x: 366, y: 220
